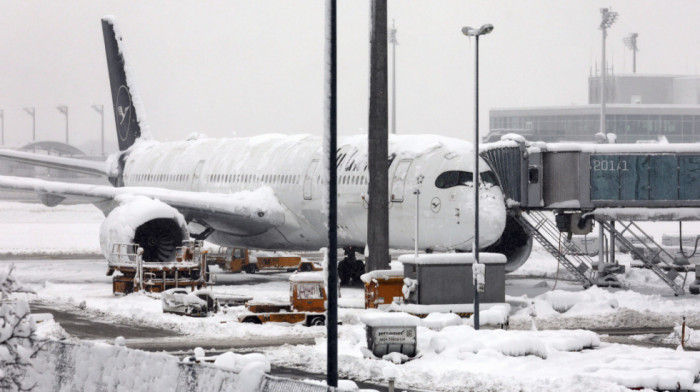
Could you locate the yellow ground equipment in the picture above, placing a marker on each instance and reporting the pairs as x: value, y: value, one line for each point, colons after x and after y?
x: 235, y: 260
x: 381, y: 287
x: 307, y: 303
x: 134, y: 274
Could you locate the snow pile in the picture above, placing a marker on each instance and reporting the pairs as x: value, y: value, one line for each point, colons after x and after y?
x: 18, y: 340
x: 438, y: 321
x: 658, y: 369
x: 383, y: 319
x: 103, y: 367
x: 377, y: 275
x: 452, y: 258
x: 493, y: 315
x: 566, y: 301
x: 250, y: 367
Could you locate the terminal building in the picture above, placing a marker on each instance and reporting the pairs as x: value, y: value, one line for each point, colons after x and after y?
x: 639, y: 108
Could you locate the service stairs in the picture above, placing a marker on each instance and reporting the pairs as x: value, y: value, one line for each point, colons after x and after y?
x: 653, y: 255
x: 540, y: 227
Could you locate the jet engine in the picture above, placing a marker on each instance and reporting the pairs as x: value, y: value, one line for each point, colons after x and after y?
x: 155, y: 226
x: 514, y: 243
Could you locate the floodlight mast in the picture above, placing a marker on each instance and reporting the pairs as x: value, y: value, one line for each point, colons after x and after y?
x: 64, y: 110
x: 472, y: 32
x: 631, y: 43
x: 608, y: 17
x: 32, y: 112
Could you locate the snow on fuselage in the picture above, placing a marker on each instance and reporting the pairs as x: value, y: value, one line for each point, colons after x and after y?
x: 293, y: 167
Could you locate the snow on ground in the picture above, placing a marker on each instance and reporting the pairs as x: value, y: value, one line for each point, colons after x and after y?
x: 37, y: 229
x: 455, y: 358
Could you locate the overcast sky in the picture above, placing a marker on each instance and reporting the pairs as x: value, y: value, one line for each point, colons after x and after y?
x: 254, y: 67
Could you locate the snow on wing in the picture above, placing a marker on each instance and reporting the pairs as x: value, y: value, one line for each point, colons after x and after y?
x: 248, y: 211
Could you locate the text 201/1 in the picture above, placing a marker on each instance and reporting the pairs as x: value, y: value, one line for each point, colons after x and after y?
x: 609, y: 165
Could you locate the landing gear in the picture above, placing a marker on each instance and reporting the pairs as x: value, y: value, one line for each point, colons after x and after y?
x: 350, y: 269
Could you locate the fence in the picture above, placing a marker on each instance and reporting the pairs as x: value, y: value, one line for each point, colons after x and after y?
x: 69, y: 366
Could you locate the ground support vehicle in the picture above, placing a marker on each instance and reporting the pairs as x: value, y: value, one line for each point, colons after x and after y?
x: 189, y: 269
x: 236, y: 260
x: 382, y: 287
x: 195, y: 304
x: 307, y: 303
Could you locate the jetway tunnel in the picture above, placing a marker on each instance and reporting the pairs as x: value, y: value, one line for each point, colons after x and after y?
x: 607, y: 183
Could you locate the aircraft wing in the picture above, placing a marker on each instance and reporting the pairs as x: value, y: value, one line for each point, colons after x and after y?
x: 242, y: 213
x: 99, y: 168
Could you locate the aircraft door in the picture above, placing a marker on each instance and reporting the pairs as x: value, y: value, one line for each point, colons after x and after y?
x: 309, y: 179
x: 398, y: 181
x: 196, y: 175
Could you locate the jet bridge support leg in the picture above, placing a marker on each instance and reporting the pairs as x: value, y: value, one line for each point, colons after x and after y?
x: 539, y: 226
x: 607, y: 266
x: 653, y: 255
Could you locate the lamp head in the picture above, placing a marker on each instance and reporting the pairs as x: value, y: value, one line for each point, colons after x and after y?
x: 472, y: 32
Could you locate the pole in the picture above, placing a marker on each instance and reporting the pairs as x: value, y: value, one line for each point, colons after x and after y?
x: 32, y: 112
x: 331, y: 107
x: 476, y: 180
x: 602, y: 88
x: 393, y: 77
x: 102, y: 139
x: 100, y: 109
x: 634, y: 59
x: 2, y: 119
x: 64, y: 109
x: 417, y: 193
x: 378, y: 149
x: 67, y: 125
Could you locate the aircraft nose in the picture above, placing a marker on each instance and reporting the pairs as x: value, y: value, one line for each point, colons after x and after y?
x: 492, y: 217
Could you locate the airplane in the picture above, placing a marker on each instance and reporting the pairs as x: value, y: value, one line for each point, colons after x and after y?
x: 267, y: 192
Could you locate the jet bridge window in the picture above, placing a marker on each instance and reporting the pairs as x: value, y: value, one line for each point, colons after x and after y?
x: 453, y: 178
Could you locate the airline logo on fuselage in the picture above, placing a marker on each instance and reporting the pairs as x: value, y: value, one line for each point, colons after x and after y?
x: 123, y: 109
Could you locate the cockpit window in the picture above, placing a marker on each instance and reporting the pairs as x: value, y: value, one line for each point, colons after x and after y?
x: 453, y: 178
x: 489, y: 177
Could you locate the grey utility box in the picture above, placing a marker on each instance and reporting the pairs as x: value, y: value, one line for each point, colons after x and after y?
x: 447, y: 278
x: 391, y: 333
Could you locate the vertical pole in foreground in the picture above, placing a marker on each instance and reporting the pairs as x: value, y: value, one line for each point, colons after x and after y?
x: 378, y: 149
x: 394, y: 42
x: 476, y: 180
x: 471, y: 32
x: 331, y: 142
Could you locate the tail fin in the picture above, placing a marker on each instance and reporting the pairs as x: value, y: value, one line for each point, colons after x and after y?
x: 125, y: 116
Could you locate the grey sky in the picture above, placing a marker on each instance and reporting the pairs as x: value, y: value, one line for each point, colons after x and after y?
x: 254, y: 67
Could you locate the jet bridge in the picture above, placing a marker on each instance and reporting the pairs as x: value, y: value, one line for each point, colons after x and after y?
x: 613, y: 184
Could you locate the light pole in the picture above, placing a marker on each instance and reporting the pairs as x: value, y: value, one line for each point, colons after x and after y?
x: 472, y: 32
x: 394, y: 42
x: 608, y: 17
x: 30, y: 111
x: 101, y: 110
x: 64, y: 109
x: 631, y: 43
x: 417, y: 193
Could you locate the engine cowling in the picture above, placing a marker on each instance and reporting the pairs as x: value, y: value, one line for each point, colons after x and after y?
x: 157, y: 227
x: 514, y: 243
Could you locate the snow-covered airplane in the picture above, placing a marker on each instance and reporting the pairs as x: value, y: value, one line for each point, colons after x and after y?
x: 267, y: 192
